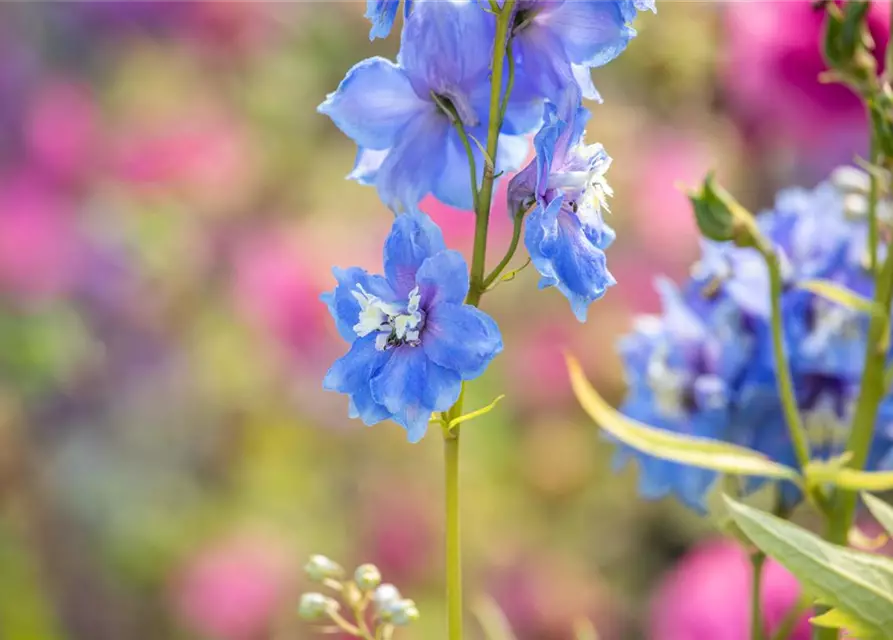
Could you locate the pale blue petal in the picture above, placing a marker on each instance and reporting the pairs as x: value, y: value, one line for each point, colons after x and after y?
x: 413, y: 239
x: 593, y: 33
x: 368, y: 161
x: 373, y: 104
x: 443, y: 278
x: 453, y: 186
x: 461, y: 338
x: 342, y: 305
x: 583, y: 76
x: 446, y: 47
x: 412, y: 168
x: 542, y: 64
x: 412, y: 388
x: 351, y: 374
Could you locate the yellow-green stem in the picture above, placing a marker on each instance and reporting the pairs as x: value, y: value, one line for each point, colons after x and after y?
x: 782, y: 370
x: 509, y: 254
x: 757, y: 562
x: 483, y: 199
x: 872, y: 209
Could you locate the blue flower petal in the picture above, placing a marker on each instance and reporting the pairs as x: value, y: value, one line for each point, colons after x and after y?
x: 569, y: 254
x: 365, y: 169
x: 453, y: 186
x: 413, y: 239
x: 461, y: 338
x: 443, y: 278
x: 542, y: 64
x: 593, y: 33
x: 381, y: 14
x: 373, y: 104
x: 343, y: 307
x: 459, y: 34
x: 413, y: 166
x: 412, y: 388
x: 351, y: 374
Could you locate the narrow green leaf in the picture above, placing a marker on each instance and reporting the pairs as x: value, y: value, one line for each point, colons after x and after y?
x: 881, y: 511
x: 492, y: 619
x: 848, y: 478
x: 455, y: 422
x: 837, y: 619
x: 842, y: 296
x: 691, y: 450
x: 585, y: 630
x: 859, y: 584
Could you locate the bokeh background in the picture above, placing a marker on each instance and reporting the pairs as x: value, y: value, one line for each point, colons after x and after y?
x: 170, y: 207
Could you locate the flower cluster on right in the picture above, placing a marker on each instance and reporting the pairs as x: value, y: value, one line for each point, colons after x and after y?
x: 705, y: 366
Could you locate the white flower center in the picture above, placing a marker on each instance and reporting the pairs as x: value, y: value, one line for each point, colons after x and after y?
x: 393, y: 325
x: 666, y: 384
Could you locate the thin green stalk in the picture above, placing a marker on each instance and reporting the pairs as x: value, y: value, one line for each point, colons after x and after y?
x: 783, y: 371
x: 509, y: 254
x: 482, y: 201
x: 485, y: 196
x: 463, y: 136
x: 871, y: 392
x: 792, y: 617
x: 757, y: 562
x: 453, y: 538
x: 872, y: 208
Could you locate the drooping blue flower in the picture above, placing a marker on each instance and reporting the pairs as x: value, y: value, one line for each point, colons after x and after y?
x: 401, y: 111
x: 381, y: 13
x: 818, y: 234
x: 412, y: 339
x: 557, y: 42
x: 566, y: 235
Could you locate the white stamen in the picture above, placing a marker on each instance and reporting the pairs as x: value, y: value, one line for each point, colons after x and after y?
x: 394, y: 325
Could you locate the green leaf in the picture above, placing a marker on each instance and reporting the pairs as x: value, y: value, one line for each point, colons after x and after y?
x: 492, y: 619
x: 455, y: 422
x: 837, y: 619
x: 842, y: 296
x: 881, y: 511
x: 859, y: 584
x: 691, y: 450
x: 848, y: 478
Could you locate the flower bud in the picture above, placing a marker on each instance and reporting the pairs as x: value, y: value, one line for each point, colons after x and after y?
x: 719, y: 216
x: 367, y: 577
x: 403, y: 613
x: 314, y: 606
x: 384, y: 597
x: 320, y: 568
x: 847, y: 43
x: 848, y: 179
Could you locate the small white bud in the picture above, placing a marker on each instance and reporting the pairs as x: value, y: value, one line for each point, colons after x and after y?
x: 320, y: 568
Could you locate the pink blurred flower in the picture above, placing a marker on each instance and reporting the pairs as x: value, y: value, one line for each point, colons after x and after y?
x: 708, y: 596
x: 61, y: 129
x: 274, y: 288
x: 664, y: 220
x: 202, y: 152
x: 39, y: 246
x: 234, y: 589
x: 541, y: 598
x: 539, y: 352
x: 773, y: 61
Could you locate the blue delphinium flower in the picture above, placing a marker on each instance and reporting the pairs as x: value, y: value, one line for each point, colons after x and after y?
x: 556, y: 42
x: 565, y: 234
x: 412, y: 339
x: 818, y: 234
x: 381, y: 13
x: 681, y: 368
x: 401, y: 111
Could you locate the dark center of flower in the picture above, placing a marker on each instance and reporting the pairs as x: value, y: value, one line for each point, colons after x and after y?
x: 455, y: 106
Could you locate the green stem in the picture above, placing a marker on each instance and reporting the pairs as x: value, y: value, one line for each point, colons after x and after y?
x: 792, y: 617
x: 783, y: 371
x: 453, y: 539
x: 509, y: 254
x: 485, y: 196
x: 463, y: 136
x: 872, y: 208
x: 482, y: 201
x: 871, y: 392
x: 757, y: 562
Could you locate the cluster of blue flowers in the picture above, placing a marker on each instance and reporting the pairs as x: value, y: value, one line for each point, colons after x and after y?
x: 412, y: 339
x: 705, y: 367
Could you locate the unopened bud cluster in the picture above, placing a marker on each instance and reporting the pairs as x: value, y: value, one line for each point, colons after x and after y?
x: 376, y: 608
